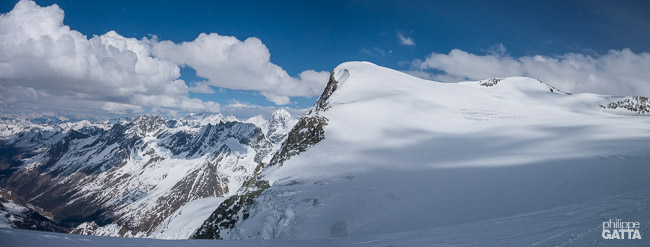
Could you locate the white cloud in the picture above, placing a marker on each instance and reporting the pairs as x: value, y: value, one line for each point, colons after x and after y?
x: 408, y: 41
x: 46, y: 64
x: 201, y: 87
x: 121, y: 108
x: 243, y: 110
x: 20, y: 100
x: 230, y: 63
x: 39, y: 52
x: 618, y: 72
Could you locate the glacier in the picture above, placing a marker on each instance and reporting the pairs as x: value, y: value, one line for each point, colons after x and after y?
x: 401, y: 153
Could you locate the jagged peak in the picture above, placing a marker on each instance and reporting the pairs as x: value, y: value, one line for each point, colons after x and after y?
x: 280, y: 113
x: 147, y: 118
x: 280, y: 118
x: 144, y: 124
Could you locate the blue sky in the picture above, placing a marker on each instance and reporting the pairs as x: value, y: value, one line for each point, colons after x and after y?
x: 318, y: 35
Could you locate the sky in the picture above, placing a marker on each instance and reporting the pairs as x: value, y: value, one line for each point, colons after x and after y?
x: 251, y: 57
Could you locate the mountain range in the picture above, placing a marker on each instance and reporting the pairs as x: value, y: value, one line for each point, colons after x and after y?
x: 131, y: 178
x: 381, y: 153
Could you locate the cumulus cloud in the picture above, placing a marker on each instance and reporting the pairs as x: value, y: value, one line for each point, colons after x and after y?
x: 231, y: 63
x: 405, y: 40
x: 201, y: 87
x: 618, y: 72
x: 46, y: 64
x: 39, y: 52
x: 20, y: 100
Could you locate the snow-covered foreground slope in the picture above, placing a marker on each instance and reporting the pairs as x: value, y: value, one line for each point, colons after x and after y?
x: 405, y: 154
x: 184, y: 221
x: 571, y: 225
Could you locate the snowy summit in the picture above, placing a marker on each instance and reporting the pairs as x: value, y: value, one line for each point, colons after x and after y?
x: 405, y: 154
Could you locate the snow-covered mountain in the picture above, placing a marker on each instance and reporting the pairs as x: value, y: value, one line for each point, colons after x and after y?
x: 382, y: 153
x: 131, y: 178
x: 382, y: 158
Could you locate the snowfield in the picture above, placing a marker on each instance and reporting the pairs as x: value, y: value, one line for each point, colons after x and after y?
x: 406, y: 154
x: 571, y: 225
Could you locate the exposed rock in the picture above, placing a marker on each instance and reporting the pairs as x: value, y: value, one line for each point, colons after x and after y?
x: 490, y: 82
x: 230, y: 211
x: 636, y: 104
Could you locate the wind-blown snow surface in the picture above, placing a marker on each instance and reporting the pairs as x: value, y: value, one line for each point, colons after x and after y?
x: 571, y: 225
x: 406, y: 154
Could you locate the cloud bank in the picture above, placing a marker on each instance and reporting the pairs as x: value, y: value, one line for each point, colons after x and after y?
x: 46, y: 64
x: 230, y: 63
x: 618, y: 72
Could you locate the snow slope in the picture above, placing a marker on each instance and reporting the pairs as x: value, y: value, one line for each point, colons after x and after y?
x: 405, y: 154
x: 182, y: 223
x: 571, y: 225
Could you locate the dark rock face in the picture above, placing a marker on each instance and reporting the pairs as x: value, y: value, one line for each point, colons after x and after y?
x: 309, y: 130
x: 233, y: 209
x: 322, y: 103
x: 10, y: 160
x: 306, y: 133
x: 30, y: 219
x: 636, y: 104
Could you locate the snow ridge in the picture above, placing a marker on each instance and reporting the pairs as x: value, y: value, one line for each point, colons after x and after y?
x: 398, y: 153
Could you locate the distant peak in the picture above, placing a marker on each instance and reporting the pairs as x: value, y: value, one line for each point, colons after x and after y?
x: 147, y: 118
x: 280, y: 113
x: 145, y: 123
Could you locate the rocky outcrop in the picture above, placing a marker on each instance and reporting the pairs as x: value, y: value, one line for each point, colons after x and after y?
x: 230, y: 211
x: 490, y: 82
x: 306, y: 133
x: 635, y: 104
